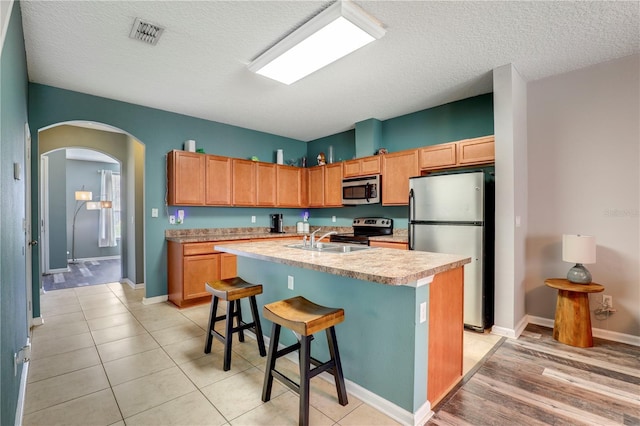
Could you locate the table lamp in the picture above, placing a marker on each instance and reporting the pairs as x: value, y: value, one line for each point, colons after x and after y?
x: 579, y: 249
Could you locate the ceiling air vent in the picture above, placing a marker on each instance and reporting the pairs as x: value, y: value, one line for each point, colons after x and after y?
x: 146, y: 31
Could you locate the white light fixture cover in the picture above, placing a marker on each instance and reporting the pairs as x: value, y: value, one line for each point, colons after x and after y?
x: 340, y: 29
x: 579, y: 249
x: 84, y: 195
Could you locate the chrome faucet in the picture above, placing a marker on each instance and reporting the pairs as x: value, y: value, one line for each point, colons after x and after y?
x: 327, y: 234
x: 312, y: 238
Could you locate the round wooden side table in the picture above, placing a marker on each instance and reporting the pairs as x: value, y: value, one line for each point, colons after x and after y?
x: 572, y: 325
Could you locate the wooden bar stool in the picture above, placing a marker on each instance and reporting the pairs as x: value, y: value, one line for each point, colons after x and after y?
x: 304, y: 318
x: 232, y: 290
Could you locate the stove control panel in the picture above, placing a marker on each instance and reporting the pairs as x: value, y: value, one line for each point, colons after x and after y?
x: 373, y: 222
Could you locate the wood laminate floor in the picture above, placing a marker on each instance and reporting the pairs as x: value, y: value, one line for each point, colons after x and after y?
x: 534, y: 380
x: 84, y: 273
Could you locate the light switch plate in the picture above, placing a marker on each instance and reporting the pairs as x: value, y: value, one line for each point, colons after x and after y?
x: 290, y: 282
x: 253, y: 219
x: 423, y: 312
x: 154, y: 212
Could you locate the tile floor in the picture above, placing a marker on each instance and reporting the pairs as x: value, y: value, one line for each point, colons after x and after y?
x: 103, y: 358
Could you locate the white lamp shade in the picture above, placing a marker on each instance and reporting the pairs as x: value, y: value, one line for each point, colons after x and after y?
x: 579, y: 248
x: 84, y: 195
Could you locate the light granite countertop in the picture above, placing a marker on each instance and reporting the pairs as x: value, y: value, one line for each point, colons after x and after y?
x: 379, y: 265
x: 229, y: 234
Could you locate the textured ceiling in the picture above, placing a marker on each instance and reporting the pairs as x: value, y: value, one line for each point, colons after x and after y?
x: 432, y: 53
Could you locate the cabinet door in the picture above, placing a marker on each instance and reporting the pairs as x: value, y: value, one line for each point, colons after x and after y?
x: 397, y: 168
x: 289, y: 186
x: 186, y: 177
x: 361, y: 167
x: 316, y: 186
x: 244, y: 182
x: 197, y: 271
x: 265, y: 184
x: 304, y: 187
x: 438, y: 156
x: 477, y: 151
x: 218, y: 181
x: 333, y: 185
x: 228, y: 266
x: 370, y: 166
x: 351, y: 168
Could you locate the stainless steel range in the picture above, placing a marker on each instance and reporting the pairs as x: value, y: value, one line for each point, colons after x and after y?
x: 363, y: 228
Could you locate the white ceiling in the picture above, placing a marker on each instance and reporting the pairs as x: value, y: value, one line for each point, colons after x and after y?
x: 432, y: 53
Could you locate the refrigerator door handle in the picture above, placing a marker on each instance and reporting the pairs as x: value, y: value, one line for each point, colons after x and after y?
x: 411, y: 216
x: 411, y: 206
x: 410, y: 236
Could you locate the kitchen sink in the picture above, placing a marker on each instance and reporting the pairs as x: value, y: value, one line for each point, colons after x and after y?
x: 331, y: 248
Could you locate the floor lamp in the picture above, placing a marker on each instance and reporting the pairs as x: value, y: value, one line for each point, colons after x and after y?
x: 82, y: 197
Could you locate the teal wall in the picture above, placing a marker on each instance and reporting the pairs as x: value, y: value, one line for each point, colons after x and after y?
x: 13, y: 305
x: 467, y: 118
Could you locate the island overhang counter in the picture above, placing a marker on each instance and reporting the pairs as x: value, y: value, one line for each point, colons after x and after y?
x: 401, y: 341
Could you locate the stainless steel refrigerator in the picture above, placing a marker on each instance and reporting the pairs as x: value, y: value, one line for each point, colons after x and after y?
x: 453, y: 213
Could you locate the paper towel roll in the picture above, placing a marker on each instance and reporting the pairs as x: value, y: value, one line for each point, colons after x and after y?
x: 279, y: 157
x: 190, y: 145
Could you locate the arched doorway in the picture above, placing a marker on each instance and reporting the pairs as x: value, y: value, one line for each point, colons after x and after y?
x: 128, y: 153
x: 81, y: 218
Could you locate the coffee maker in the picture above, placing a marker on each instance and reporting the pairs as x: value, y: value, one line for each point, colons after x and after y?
x: 276, y: 223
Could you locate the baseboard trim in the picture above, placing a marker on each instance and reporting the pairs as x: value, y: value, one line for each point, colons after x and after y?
x: 132, y: 284
x: 57, y: 271
x: 511, y: 333
x: 91, y: 259
x: 21, y: 394
x: 600, y: 333
x: 153, y: 300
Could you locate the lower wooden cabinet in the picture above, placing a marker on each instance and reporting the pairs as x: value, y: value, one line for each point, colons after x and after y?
x: 190, y: 266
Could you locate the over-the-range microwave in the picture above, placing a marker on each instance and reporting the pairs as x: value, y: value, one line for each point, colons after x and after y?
x: 361, y: 190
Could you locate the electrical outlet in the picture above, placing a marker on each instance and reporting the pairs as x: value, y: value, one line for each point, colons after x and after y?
x: 333, y: 219
x: 423, y: 312
x: 154, y: 212
x: 290, y: 282
x: 253, y: 219
x: 607, y: 301
x: 172, y: 220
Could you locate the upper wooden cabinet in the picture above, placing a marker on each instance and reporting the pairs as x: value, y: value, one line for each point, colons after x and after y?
x: 265, y: 184
x: 361, y: 167
x: 462, y: 153
x: 438, y: 156
x: 218, y: 180
x: 316, y: 186
x: 333, y: 185
x: 397, y: 168
x: 325, y: 185
x: 290, y: 189
x: 244, y: 182
x: 185, y: 173
x: 476, y: 151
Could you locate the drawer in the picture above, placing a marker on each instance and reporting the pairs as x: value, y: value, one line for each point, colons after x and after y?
x: 192, y: 249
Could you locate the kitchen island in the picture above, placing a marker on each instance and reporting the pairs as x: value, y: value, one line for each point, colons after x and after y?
x: 401, y: 341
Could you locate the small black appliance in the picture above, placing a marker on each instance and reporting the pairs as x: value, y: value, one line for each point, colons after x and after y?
x: 276, y: 223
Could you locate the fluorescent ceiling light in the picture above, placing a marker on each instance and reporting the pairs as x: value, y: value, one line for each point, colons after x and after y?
x: 340, y: 29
